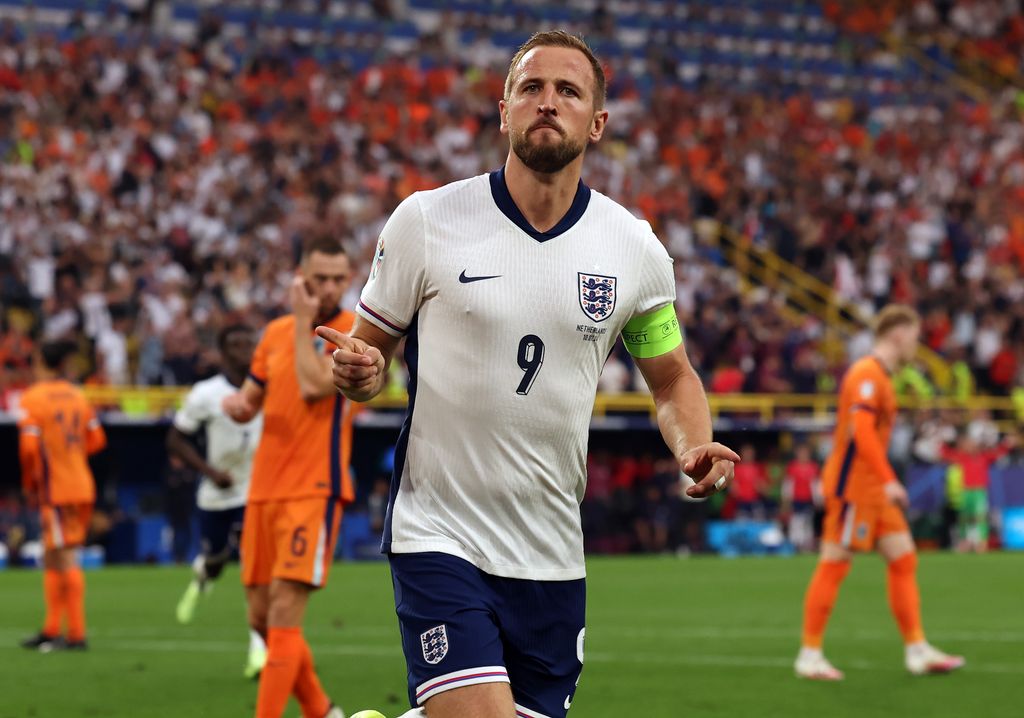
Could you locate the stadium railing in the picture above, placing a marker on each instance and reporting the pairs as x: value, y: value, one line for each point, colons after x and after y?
x: 758, y: 265
x: 148, y: 403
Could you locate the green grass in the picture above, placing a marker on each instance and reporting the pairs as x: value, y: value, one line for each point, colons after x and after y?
x: 665, y: 638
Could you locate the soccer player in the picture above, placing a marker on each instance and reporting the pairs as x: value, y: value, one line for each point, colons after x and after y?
x: 800, y: 494
x: 511, y: 289
x: 864, y: 502
x: 300, y: 478
x: 225, y: 472
x: 58, y: 431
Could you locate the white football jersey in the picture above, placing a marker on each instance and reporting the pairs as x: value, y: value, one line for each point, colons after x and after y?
x: 507, y: 332
x: 229, y: 446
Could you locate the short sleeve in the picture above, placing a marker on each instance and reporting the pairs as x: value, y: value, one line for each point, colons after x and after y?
x: 95, y: 437
x: 657, y: 279
x: 395, y: 288
x: 865, y: 391
x: 258, y: 365
x: 192, y: 414
x: 29, y: 423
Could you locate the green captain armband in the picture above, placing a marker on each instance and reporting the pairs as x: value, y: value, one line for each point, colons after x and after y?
x: 653, y: 334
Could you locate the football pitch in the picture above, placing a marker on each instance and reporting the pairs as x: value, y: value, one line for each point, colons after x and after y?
x: 665, y: 638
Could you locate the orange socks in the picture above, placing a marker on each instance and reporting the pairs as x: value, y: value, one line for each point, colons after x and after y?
x: 74, y: 596
x: 53, y: 593
x: 284, y: 656
x: 821, y: 596
x: 312, y: 699
x: 65, y: 595
x: 904, y: 598
x: 289, y: 669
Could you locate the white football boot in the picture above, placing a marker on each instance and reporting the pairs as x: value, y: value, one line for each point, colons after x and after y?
x: 923, y: 659
x: 812, y: 665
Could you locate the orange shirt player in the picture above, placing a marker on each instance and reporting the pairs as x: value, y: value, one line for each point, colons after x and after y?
x: 300, y: 476
x: 58, y: 431
x: 864, y: 502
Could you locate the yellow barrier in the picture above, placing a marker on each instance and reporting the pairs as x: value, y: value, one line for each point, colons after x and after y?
x: 976, y: 85
x: 157, y: 401
x: 757, y: 265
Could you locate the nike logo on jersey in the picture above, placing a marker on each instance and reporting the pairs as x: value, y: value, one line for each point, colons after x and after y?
x: 466, y: 280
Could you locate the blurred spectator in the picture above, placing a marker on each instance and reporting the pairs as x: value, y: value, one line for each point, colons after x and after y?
x: 377, y: 504
x: 750, y: 485
x: 800, y: 495
x: 179, y: 507
x: 17, y: 524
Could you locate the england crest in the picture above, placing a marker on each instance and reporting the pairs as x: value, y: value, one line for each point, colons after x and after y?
x: 597, y: 296
x: 435, y: 644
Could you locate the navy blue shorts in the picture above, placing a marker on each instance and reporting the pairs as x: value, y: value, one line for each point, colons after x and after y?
x: 462, y: 627
x: 220, y: 532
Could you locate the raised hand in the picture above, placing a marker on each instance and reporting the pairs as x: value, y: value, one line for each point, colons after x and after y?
x: 304, y: 305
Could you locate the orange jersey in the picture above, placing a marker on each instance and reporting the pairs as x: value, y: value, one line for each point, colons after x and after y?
x: 305, y: 447
x: 57, y: 431
x: 858, y: 468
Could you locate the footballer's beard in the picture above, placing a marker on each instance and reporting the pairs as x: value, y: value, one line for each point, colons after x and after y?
x: 327, y: 309
x: 545, y: 157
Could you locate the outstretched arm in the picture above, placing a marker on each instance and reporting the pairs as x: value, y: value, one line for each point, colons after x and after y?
x: 685, y: 421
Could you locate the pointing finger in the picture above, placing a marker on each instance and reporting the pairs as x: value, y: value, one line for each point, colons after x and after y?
x: 334, y: 337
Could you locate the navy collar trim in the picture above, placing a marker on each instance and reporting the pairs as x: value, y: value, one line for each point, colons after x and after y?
x: 502, y: 198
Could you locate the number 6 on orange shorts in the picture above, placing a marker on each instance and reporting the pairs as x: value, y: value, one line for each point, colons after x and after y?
x: 292, y: 539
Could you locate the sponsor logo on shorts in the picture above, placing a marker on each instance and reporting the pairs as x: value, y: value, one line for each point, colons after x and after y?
x: 435, y: 644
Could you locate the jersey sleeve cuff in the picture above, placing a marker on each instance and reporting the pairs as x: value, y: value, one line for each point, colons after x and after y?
x: 184, y: 425
x: 262, y: 382
x: 379, y: 320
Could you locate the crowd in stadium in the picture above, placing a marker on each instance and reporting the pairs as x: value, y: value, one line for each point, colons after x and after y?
x: 989, y: 33
x: 152, y: 193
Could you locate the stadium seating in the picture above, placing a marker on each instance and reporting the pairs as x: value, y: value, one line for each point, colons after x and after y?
x: 802, y: 171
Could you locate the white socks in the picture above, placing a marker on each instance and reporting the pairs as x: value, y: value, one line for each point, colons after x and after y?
x: 199, y: 569
x: 807, y: 653
x: 916, y: 648
x: 256, y: 642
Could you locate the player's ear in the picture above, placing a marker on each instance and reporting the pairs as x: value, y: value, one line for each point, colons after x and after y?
x: 597, y: 126
x: 503, y: 114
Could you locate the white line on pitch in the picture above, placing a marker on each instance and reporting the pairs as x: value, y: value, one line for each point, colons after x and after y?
x: 364, y: 651
x: 710, y: 632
